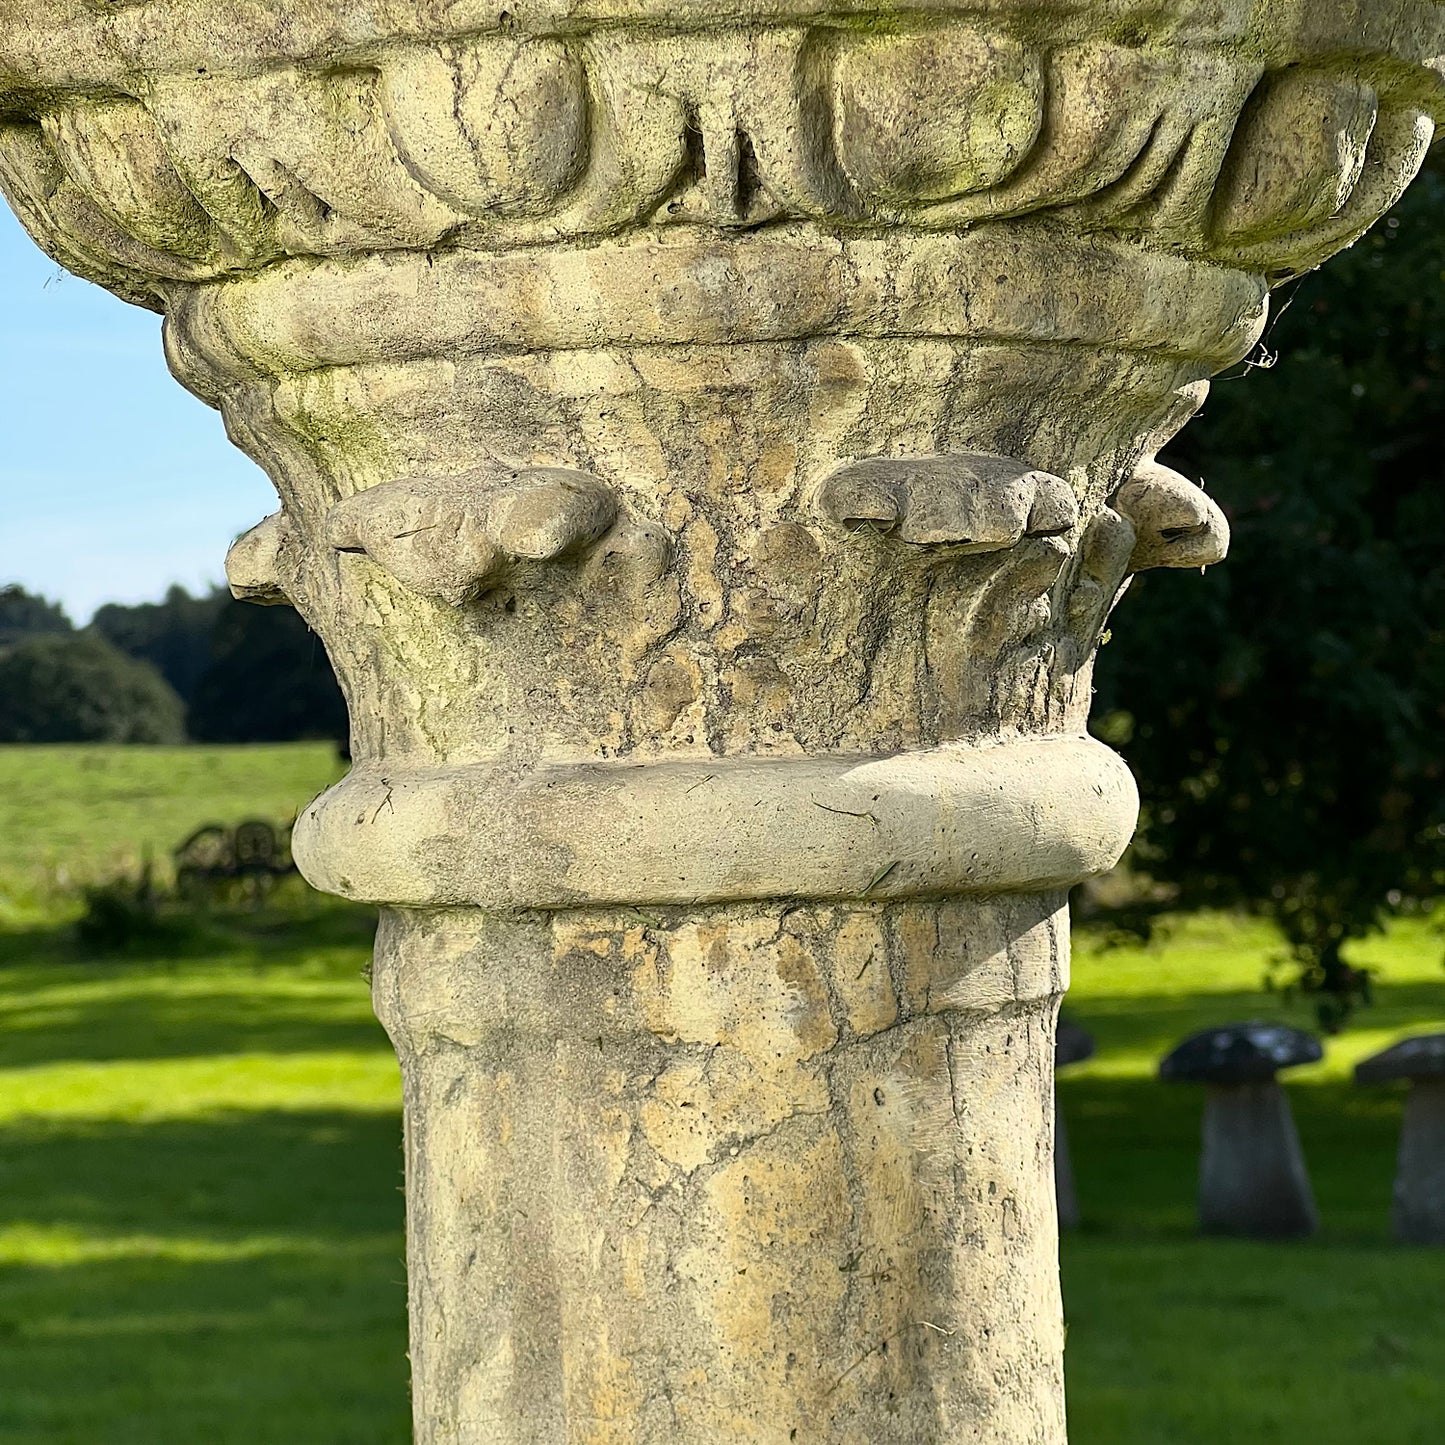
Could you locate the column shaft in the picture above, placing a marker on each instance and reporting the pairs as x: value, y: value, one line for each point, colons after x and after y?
x: 749, y: 1174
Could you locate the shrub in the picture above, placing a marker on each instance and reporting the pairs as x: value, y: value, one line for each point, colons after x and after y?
x: 77, y: 688
x: 122, y: 913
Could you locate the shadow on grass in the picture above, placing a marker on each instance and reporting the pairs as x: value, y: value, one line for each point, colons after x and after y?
x: 140, y: 1023
x: 294, y: 919
x: 276, y: 980
x: 235, y: 1279
x: 1136, y: 1140
x: 1197, y: 1342
x: 1135, y: 1145
x: 1153, y: 1023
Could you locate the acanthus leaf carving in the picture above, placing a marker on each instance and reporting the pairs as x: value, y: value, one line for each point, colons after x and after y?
x: 113, y: 151
x: 517, y: 138
x: 969, y: 503
x: 494, y: 125
x: 935, y: 114
x: 992, y: 535
x: 1299, y: 127
x: 1177, y: 524
x: 262, y: 561
x: 450, y: 538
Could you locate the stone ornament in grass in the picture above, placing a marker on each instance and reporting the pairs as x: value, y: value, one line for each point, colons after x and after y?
x: 710, y: 442
x: 1418, y: 1215
x: 1252, y: 1175
x: 1072, y: 1045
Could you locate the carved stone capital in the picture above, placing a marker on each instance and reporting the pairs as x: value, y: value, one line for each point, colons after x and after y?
x: 1038, y: 814
x: 710, y: 440
x: 165, y: 140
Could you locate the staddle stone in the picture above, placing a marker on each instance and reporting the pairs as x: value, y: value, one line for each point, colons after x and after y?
x: 1418, y: 1213
x: 1252, y: 1175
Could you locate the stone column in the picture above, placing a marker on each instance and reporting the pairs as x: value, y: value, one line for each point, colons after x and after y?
x: 710, y: 440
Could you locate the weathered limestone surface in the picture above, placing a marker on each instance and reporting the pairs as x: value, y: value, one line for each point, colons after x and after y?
x: 710, y: 440
x: 732, y: 1176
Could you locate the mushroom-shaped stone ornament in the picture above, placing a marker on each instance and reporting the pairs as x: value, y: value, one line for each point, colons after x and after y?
x: 1252, y: 1175
x: 1418, y: 1216
x: 1072, y: 1045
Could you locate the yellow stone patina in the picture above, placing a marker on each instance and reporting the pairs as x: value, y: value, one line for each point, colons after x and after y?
x: 710, y: 439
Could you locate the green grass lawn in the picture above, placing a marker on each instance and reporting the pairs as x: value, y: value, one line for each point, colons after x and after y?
x: 200, y: 1216
x: 200, y: 1208
x: 1176, y: 1340
x: 78, y: 813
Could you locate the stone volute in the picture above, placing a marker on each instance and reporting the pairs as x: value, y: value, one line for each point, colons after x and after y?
x: 710, y: 439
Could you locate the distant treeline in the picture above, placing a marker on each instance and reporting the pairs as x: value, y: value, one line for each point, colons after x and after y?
x: 208, y: 669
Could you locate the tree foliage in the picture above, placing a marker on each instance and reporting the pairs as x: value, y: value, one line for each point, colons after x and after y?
x: 22, y: 614
x: 173, y: 635
x: 60, y: 687
x: 1284, y: 713
x: 231, y: 671
x: 268, y: 680
x: 247, y: 674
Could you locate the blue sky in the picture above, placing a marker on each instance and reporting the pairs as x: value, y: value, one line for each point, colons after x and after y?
x: 114, y: 480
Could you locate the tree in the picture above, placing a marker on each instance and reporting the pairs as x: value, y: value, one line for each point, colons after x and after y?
x: 75, y: 687
x: 174, y: 635
x: 22, y: 614
x: 269, y: 680
x: 245, y: 673
x: 1284, y: 716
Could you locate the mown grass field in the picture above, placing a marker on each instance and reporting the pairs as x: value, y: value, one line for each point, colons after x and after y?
x: 80, y: 813
x: 1176, y: 1340
x: 200, y: 1216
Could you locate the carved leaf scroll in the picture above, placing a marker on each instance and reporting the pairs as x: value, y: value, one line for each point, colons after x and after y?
x: 505, y: 139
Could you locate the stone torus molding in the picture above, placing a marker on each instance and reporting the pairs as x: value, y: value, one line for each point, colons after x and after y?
x: 710, y: 440
x: 1029, y: 814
